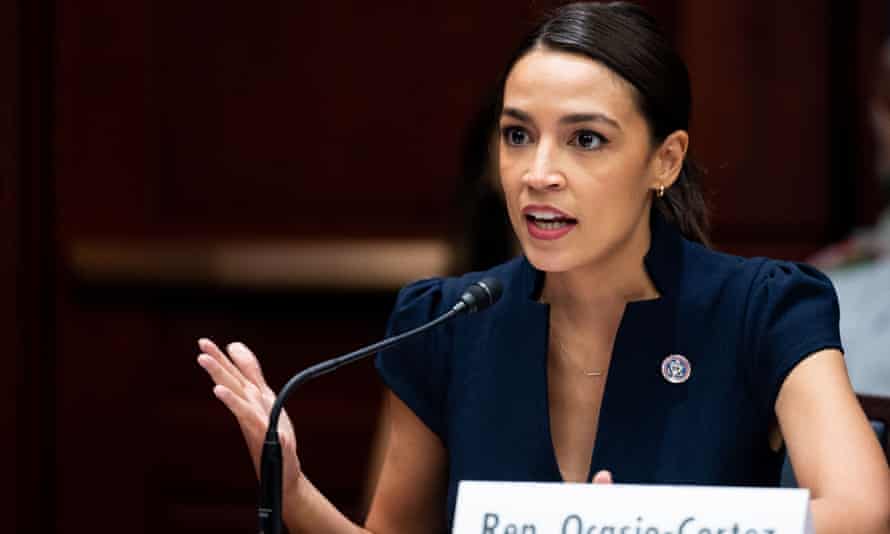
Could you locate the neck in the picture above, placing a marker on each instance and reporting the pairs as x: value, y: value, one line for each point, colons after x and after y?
x: 608, y: 284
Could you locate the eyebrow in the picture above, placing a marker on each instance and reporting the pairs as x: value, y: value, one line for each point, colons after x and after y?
x: 567, y: 119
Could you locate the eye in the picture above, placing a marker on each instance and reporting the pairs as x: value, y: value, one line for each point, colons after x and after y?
x: 587, y: 140
x: 515, y: 136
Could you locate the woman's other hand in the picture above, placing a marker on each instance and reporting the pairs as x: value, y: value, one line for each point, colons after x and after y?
x: 602, y: 477
x: 241, y: 387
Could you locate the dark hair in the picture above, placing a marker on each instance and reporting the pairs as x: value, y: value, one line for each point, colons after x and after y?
x: 628, y: 40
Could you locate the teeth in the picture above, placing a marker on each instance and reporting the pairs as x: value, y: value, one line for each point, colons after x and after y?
x: 544, y: 225
x: 545, y: 216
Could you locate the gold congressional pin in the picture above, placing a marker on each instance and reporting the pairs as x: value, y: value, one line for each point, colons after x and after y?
x: 676, y: 369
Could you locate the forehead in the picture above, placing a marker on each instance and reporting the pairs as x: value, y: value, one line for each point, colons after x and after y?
x: 547, y: 81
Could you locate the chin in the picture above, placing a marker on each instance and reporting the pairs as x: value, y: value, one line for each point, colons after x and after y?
x: 550, y: 261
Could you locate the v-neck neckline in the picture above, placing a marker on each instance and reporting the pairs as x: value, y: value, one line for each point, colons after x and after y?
x: 663, y: 265
x: 548, y: 415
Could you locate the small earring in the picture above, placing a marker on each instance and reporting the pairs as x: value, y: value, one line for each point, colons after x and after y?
x: 659, y: 191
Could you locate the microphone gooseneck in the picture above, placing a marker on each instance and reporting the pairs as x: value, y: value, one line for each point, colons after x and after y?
x: 476, y: 297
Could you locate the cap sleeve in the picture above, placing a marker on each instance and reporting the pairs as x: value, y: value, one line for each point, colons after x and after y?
x: 417, y: 370
x: 792, y: 313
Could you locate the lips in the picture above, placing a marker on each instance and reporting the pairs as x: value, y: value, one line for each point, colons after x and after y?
x: 547, y: 222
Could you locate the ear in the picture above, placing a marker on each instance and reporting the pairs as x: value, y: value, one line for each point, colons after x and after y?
x: 669, y: 157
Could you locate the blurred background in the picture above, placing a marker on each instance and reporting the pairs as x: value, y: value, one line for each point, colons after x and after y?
x: 272, y: 172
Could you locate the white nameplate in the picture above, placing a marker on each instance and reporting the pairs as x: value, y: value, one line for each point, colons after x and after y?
x: 553, y: 508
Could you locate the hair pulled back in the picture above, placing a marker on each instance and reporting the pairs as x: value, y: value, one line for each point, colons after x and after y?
x: 628, y: 40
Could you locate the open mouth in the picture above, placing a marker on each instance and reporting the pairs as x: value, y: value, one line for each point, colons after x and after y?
x: 550, y: 221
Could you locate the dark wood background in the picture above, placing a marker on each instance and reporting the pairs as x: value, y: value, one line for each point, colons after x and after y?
x: 179, y: 121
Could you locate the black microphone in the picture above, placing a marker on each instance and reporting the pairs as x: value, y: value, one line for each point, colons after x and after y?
x: 476, y: 297
x: 480, y: 295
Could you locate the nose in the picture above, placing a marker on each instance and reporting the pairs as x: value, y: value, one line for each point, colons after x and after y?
x: 544, y: 173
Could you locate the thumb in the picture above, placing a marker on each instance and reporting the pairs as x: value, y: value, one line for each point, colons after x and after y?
x: 602, y: 477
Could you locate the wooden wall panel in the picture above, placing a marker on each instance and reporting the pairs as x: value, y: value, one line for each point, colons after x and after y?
x: 307, y: 118
x: 105, y: 138
x: 760, y: 74
x: 28, y: 257
x: 104, y: 439
x: 173, y: 453
x: 10, y: 256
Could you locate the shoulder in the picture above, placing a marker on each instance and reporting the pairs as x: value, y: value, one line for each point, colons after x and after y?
x: 420, y: 369
x: 771, y: 313
x: 782, y: 311
x: 437, y: 295
x: 709, y: 272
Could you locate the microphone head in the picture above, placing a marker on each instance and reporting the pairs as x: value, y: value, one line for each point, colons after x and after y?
x: 480, y: 295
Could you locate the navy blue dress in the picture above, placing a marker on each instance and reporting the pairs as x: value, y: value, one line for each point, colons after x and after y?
x: 480, y: 382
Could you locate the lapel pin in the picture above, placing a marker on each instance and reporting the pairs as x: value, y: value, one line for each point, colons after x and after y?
x: 676, y: 369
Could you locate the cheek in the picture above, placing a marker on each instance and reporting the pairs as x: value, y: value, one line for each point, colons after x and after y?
x: 619, y: 177
x: 509, y: 175
x: 511, y: 185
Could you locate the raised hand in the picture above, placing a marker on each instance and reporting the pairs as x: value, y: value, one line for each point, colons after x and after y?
x: 241, y: 387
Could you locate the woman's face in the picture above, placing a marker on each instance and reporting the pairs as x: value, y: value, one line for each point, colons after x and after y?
x: 576, y: 161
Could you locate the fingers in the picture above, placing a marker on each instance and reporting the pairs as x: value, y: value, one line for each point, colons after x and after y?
x: 236, y: 369
x: 602, y: 477
x: 238, y: 405
x: 221, y: 375
x: 263, y: 400
x: 210, y: 348
x: 252, y: 414
x: 248, y: 364
x: 256, y: 397
x: 239, y: 375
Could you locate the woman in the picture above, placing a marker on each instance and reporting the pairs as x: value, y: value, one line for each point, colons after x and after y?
x: 622, y: 344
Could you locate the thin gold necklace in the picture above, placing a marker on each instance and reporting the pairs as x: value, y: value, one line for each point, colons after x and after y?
x: 565, y: 353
